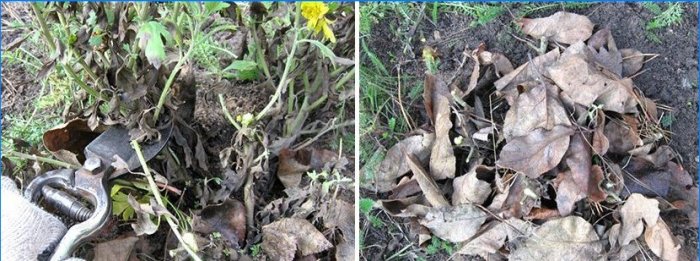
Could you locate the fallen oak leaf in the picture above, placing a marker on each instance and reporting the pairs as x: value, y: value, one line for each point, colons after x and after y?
x: 562, y: 27
x: 537, y: 152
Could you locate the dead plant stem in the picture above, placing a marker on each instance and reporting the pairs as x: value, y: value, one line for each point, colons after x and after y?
x: 54, y: 162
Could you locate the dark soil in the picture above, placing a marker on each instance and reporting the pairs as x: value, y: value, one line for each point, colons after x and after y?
x: 670, y: 79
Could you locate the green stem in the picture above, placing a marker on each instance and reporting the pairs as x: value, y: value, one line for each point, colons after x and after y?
x: 44, y: 28
x: 159, y: 198
x: 58, y: 163
x: 171, y: 78
x: 347, y: 77
x: 287, y: 66
x: 226, y: 113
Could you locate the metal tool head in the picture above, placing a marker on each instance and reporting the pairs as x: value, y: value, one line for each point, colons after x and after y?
x: 116, y: 141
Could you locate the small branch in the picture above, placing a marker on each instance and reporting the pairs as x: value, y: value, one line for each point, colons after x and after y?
x: 54, y: 162
x: 159, y: 200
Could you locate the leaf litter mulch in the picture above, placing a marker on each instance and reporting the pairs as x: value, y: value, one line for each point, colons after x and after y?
x: 254, y: 168
x: 563, y: 159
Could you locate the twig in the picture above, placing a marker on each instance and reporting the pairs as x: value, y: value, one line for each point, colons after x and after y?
x: 332, y: 126
x: 403, y: 111
x: 159, y: 200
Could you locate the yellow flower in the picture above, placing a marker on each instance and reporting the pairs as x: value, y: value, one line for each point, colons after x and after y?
x: 315, y: 13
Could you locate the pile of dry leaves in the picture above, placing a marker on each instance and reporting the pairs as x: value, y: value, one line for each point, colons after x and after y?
x: 575, y: 170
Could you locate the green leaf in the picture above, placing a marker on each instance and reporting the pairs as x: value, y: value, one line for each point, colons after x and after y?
x: 366, y: 205
x: 95, y: 40
x: 328, y: 53
x: 149, y: 37
x: 92, y: 18
x: 245, y: 70
x: 213, y: 7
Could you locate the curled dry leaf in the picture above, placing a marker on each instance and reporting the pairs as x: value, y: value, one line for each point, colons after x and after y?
x: 569, y: 238
x: 442, y: 158
x: 537, y: 107
x: 595, y: 193
x: 500, y: 62
x: 432, y: 192
x: 395, y: 165
x: 632, y: 61
x: 536, y: 153
x: 606, y: 54
x: 636, y: 209
x: 530, y: 71
x: 282, y: 238
x: 293, y: 164
x: 562, y: 27
x: 468, y: 188
x: 660, y: 240
x: 622, y: 137
x: 492, y: 238
x: 67, y: 141
x: 454, y: 224
x: 290, y: 169
x: 523, y: 195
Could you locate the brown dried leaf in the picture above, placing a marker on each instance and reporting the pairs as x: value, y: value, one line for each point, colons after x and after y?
x: 470, y: 189
x: 67, y: 141
x: 632, y: 61
x: 562, y: 27
x: 536, y: 153
x: 575, y: 182
x: 117, y: 249
x: 636, y: 209
x: 600, y: 143
x: 290, y: 169
x: 595, y: 193
x: 492, y: 238
x: 585, y: 83
x: 622, y: 137
x: 454, y: 224
x: 228, y: 219
x: 537, y: 107
x: 530, y: 71
x: 569, y: 238
x: 432, y: 192
x: 394, y: 164
x: 282, y: 238
x: 523, y: 195
x: 442, y: 158
x: 660, y: 240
